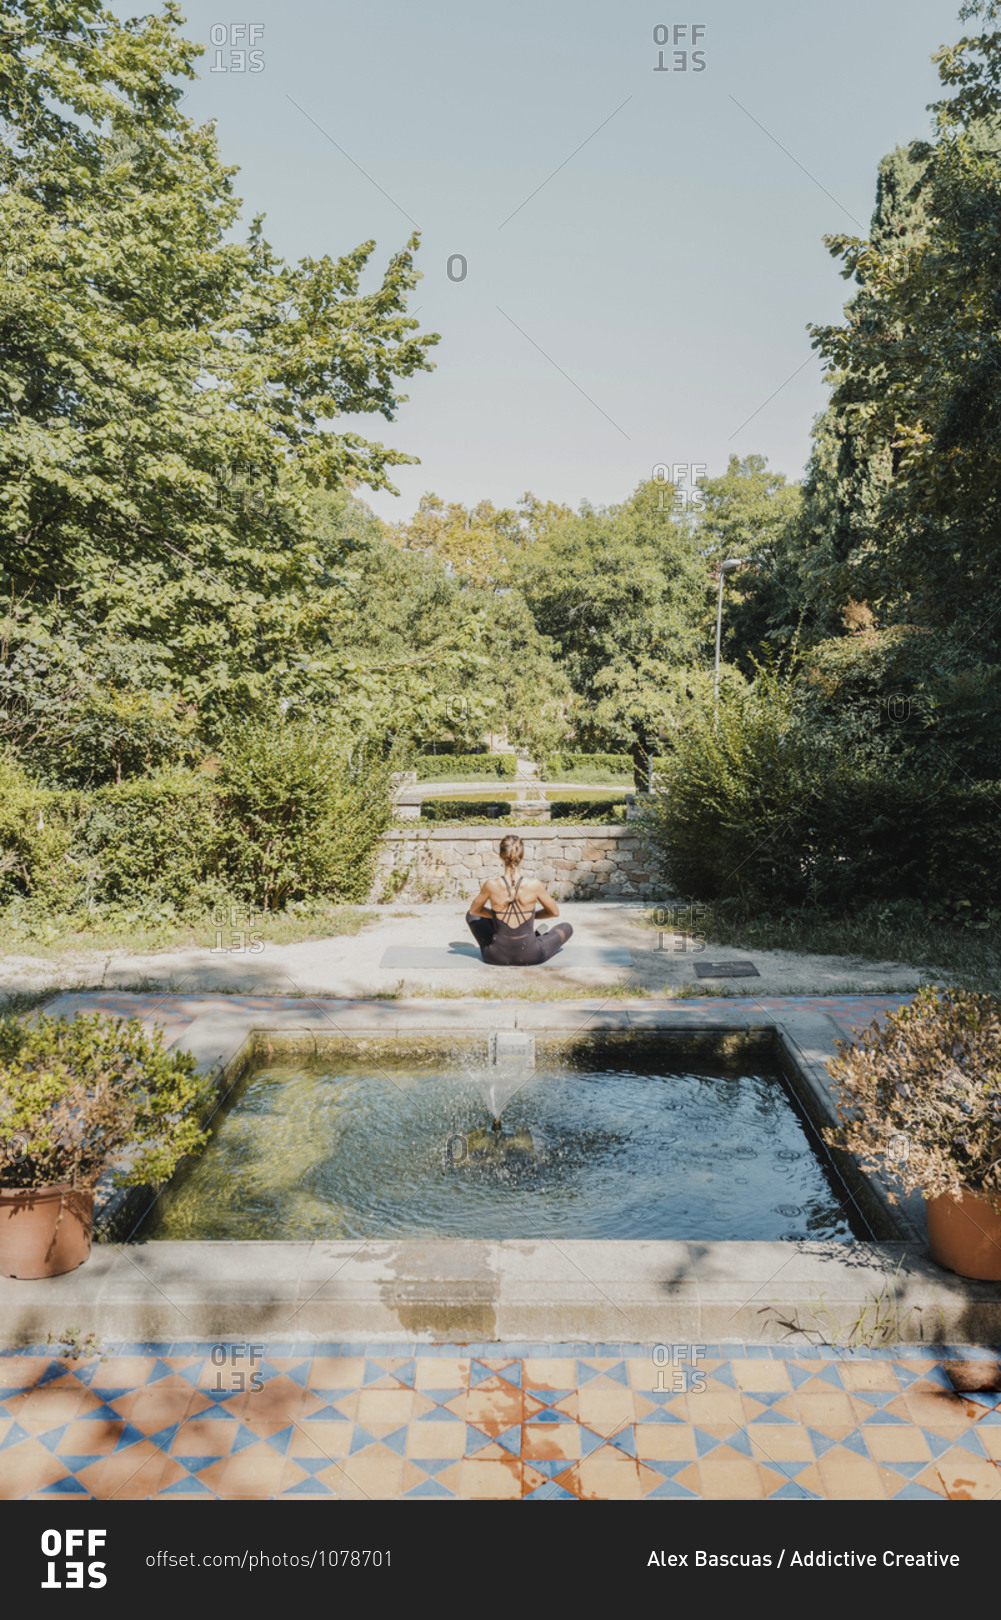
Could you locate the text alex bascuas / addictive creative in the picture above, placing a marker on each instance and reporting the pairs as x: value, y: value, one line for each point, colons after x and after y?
x: 810, y: 1558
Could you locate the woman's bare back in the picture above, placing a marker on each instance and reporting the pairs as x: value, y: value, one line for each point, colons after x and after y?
x: 511, y: 903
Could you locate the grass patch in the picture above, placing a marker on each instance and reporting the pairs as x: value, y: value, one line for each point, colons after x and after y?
x: 571, y: 992
x: 901, y: 931
x: 596, y: 778
x: 14, y: 1003
x: 225, y: 928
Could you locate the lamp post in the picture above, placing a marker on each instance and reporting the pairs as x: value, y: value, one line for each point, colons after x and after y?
x: 731, y: 562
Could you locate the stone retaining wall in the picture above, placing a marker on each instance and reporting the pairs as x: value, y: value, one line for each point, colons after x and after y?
x: 575, y: 862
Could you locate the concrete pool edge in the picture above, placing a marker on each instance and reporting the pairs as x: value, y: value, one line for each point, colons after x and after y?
x: 545, y: 1290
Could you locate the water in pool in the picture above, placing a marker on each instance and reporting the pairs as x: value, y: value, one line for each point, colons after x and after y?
x: 333, y: 1150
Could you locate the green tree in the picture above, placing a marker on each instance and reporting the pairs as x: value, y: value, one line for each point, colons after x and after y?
x: 622, y: 595
x: 166, y: 386
x: 478, y: 543
x: 916, y: 366
x: 461, y: 660
x: 753, y: 513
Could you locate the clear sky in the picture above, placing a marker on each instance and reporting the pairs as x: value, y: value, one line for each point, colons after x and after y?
x: 642, y: 249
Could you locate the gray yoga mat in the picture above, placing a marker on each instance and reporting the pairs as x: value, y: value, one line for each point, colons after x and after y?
x: 468, y: 956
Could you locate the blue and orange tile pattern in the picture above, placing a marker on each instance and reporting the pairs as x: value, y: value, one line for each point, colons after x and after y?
x: 532, y: 1422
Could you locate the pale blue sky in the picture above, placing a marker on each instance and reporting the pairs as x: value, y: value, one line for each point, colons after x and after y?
x: 662, y: 279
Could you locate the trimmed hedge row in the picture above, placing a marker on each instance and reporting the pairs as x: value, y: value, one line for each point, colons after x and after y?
x: 508, y: 810
x: 563, y: 764
x: 446, y: 767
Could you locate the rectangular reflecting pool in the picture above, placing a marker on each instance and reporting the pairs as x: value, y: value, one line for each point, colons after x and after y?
x: 600, y: 1140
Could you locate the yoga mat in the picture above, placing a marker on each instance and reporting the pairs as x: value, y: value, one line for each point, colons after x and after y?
x: 468, y: 956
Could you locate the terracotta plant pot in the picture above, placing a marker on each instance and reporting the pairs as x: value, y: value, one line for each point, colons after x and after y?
x: 44, y: 1231
x: 966, y: 1236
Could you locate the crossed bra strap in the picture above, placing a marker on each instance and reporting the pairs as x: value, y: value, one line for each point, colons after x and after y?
x: 521, y: 912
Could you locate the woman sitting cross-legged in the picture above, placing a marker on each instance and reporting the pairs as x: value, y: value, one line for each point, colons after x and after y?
x: 506, y: 932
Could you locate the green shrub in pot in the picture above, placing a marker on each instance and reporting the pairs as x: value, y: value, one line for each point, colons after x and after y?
x: 79, y: 1097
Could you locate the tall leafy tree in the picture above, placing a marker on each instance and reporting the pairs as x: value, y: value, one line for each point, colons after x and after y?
x: 622, y: 594
x: 166, y: 386
x: 916, y: 366
x: 752, y: 513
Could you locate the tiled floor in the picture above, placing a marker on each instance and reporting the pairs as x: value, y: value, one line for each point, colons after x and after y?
x: 525, y: 1421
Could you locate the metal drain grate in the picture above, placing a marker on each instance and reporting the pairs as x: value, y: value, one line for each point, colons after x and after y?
x: 726, y: 970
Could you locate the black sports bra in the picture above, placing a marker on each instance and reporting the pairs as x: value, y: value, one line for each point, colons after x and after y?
x: 522, y: 913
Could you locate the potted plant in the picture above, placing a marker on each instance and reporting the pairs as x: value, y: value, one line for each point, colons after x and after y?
x: 921, y: 1098
x: 78, y: 1097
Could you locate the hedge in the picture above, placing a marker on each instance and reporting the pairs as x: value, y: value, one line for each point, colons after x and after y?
x: 563, y: 764
x: 448, y: 767
x: 848, y: 837
x: 295, y: 812
x: 152, y: 840
x: 559, y: 810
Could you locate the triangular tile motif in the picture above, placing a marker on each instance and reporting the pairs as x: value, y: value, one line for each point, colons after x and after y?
x: 589, y: 1441
x: 160, y: 1369
x: 669, y: 1488
x: 799, y: 1375
x: 372, y: 1374
x: 397, y: 1441
x: 704, y: 1443
x: 874, y: 1397
x: 15, y: 1434
x: 360, y: 1439
x: 65, y: 1487
x: 281, y: 1440
x: 624, y: 1440
x: 855, y: 1442
x: 309, y: 1487
x: 552, y: 1467
x: 190, y: 1486
x: 54, y: 1371
x: 244, y: 1437
x: 300, y: 1374
x: 329, y: 1414
x: 793, y: 1492
x: 906, y: 1470
x: 618, y: 1373
x: 476, y: 1440
x: 433, y: 1465
x: 51, y: 1438
x: 917, y: 1493
x: 738, y: 1441
x: 129, y: 1436
x: 971, y: 1441
x: 103, y: 1413
x: 938, y: 1444
x: 820, y: 1442
x: 76, y: 1464
x: 432, y: 1488
x: 404, y: 1372
x: 478, y: 1373
x: 666, y: 1468
x: 550, y: 1493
